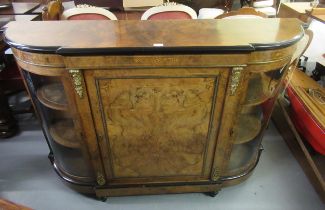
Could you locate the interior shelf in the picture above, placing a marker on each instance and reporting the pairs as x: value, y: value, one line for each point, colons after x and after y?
x: 248, y: 127
x: 243, y: 157
x: 63, y: 133
x: 52, y: 96
x: 257, y: 90
x: 69, y: 162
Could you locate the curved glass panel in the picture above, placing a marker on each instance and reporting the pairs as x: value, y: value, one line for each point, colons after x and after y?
x: 49, y: 97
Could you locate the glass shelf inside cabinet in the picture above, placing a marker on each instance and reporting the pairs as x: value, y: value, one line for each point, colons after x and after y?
x: 63, y: 133
x: 71, y: 161
x: 63, y: 137
x: 243, y: 157
x: 52, y: 95
x: 61, y: 126
x: 249, y: 124
x: 262, y: 86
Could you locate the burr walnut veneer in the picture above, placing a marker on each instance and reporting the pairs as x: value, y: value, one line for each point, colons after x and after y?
x: 149, y: 107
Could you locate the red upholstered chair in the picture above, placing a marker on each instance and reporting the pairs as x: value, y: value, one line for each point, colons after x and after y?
x: 87, y: 12
x: 169, y: 11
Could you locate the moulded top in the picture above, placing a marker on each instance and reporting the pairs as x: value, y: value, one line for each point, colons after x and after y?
x: 153, y: 37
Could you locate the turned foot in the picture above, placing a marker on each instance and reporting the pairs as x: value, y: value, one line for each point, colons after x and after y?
x: 103, y: 199
x: 212, y: 194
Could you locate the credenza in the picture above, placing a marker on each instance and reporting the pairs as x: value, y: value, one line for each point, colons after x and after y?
x: 153, y: 107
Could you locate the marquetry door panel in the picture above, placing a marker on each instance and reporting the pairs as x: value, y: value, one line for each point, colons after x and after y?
x: 157, y: 124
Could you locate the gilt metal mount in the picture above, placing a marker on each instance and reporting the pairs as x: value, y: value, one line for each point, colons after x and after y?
x: 77, y: 81
x: 215, y: 174
x: 235, y: 79
x: 100, y: 179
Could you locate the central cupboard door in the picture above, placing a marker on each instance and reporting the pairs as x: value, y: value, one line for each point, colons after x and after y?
x: 157, y: 124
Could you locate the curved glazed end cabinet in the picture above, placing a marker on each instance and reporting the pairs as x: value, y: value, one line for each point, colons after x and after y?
x: 151, y: 107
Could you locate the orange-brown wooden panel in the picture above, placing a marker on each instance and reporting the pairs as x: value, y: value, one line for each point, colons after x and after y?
x: 156, y: 126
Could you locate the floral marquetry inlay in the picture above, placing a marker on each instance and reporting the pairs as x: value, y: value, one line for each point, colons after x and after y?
x: 157, y: 127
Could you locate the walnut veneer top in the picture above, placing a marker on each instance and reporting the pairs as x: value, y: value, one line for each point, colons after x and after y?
x: 87, y: 37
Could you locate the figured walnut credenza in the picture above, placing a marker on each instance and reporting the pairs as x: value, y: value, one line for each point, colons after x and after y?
x: 150, y: 107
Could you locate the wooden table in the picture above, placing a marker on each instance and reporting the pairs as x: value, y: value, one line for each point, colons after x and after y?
x: 318, y: 14
x: 320, y: 18
x: 4, y: 19
x: 19, y: 8
x: 316, y: 49
x: 295, y: 10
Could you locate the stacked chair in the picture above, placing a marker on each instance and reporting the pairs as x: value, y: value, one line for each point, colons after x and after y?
x: 169, y: 10
x: 268, y: 7
x: 87, y: 12
x: 245, y: 12
x: 166, y: 11
x: 265, y: 6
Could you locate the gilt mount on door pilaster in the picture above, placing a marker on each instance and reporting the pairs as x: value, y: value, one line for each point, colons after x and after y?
x: 100, y: 179
x: 215, y: 174
x: 77, y: 78
x: 235, y: 79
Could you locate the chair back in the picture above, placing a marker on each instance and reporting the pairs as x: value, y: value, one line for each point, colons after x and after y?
x: 199, y: 4
x: 262, y: 3
x: 87, y: 12
x: 245, y: 12
x: 169, y: 11
x: 209, y: 13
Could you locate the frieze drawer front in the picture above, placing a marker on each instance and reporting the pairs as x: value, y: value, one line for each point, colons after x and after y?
x: 157, y: 126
